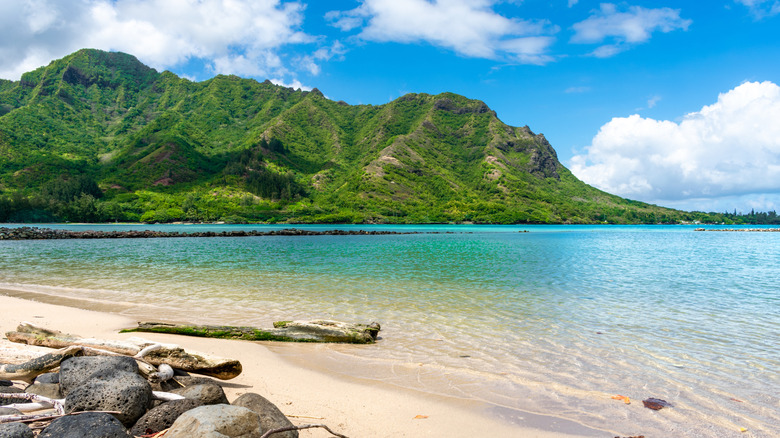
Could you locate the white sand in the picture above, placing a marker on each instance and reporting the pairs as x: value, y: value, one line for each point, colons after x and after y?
x: 353, y: 408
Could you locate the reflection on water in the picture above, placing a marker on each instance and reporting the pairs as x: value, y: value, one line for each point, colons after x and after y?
x: 553, y: 321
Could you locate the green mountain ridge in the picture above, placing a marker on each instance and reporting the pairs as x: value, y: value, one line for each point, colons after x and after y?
x: 158, y: 147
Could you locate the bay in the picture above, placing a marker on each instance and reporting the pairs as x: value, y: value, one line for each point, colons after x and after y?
x: 552, y: 320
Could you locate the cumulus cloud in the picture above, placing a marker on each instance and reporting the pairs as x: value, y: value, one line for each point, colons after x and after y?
x: 624, y: 29
x: 471, y: 28
x: 728, y: 149
x: 762, y: 8
x: 230, y: 36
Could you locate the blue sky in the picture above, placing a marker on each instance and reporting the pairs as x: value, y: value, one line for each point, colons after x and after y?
x: 674, y: 103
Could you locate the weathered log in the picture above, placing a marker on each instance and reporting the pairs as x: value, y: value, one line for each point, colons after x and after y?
x: 33, y: 368
x: 287, y: 331
x: 170, y: 354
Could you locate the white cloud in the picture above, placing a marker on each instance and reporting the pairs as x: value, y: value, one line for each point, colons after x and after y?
x: 653, y: 101
x: 574, y: 90
x: 230, y: 36
x: 295, y: 84
x: 729, y: 148
x: 624, y: 29
x: 762, y: 8
x: 469, y: 27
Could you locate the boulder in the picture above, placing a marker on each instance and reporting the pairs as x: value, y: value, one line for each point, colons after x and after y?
x: 48, y: 378
x: 51, y: 390
x: 6, y: 383
x: 77, y: 370
x: 270, y: 416
x: 88, y: 424
x: 163, y: 416
x: 208, y: 393
x: 105, y: 383
x: 216, y: 421
x: 15, y: 430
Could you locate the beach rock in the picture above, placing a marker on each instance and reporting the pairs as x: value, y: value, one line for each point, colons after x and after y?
x: 15, y: 430
x: 9, y: 411
x: 216, y: 421
x: 89, y: 424
x: 179, y: 382
x: 163, y: 416
x: 51, y: 390
x: 48, y: 378
x: 12, y: 390
x: 77, y: 370
x: 270, y: 416
x: 105, y: 383
x: 208, y: 393
x: 6, y: 383
x: 656, y: 404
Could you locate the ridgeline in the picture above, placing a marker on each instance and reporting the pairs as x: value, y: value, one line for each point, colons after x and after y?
x: 98, y: 136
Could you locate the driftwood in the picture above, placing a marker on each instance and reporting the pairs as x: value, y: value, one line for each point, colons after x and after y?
x: 301, y: 427
x: 287, y: 331
x: 35, y: 367
x: 169, y: 354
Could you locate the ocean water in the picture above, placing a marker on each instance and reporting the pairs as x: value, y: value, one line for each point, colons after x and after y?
x: 551, y: 321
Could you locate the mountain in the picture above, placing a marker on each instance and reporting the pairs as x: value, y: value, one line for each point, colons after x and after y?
x: 100, y: 136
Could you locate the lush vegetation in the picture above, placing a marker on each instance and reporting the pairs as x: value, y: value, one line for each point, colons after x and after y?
x: 98, y: 136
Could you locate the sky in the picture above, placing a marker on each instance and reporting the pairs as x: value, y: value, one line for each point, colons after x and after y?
x: 675, y: 103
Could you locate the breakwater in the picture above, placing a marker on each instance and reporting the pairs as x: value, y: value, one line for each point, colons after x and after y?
x: 35, y: 233
x: 741, y: 230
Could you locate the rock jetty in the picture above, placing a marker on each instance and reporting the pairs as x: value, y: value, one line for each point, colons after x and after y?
x: 35, y: 233
x: 742, y: 230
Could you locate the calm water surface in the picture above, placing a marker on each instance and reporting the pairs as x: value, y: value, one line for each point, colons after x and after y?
x: 552, y: 321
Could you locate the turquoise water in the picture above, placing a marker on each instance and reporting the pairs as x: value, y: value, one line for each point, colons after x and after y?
x: 552, y: 321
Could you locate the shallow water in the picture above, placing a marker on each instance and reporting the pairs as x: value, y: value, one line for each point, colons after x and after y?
x: 553, y: 321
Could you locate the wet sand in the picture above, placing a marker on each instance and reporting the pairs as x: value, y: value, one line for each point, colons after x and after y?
x: 353, y: 407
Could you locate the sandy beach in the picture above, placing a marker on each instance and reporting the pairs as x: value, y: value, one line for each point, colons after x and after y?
x: 351, y: 407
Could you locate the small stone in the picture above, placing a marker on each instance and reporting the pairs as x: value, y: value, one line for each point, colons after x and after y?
x: 9, y: 411
x: 50, y: 390
x: 655, y: 404
x: 88, y: 424
x: 48, y: 378
x: 270, y: 415
x: 163, y: 416
x: 216, y: 421
x: 12, y: 390
x: 6, y: 383
x: 15, y: 430
x: 208, y: 394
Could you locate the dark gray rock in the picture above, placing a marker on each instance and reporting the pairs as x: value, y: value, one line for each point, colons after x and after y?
x: 216, y: 421
x: 125, y: 392
x: 181, y: 381
x: 15, y: 430
x: 12, y: 390
x: 270, y: 416
x: 48, y: 378
x: 6, y: 383
x: 208, y: 394
x: 163, y: 416
x: 77, y: 370
x: 88, y: 424
x: 51, y: 390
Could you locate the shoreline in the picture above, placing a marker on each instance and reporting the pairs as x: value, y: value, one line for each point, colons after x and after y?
x: 352, y: 406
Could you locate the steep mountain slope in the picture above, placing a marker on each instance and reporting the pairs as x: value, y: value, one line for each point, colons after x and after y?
x: 164, y: 148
